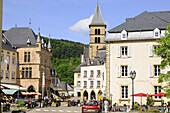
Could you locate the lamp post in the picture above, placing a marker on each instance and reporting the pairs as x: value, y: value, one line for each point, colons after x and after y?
x: 111, y: 98
x: 132, y: 76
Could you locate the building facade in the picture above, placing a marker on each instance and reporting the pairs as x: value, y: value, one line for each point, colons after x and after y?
x: 33, y: 59
x: 130, y: 48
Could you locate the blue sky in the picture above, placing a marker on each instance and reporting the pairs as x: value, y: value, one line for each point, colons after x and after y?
x: 69, y: 19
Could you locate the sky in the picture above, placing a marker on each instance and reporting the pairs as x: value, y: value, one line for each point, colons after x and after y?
x: 69, y: 19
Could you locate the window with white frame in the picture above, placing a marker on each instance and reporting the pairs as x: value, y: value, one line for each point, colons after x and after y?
x: 2, y: 73
x: 123, y: 35
x: 98, y: 72
x: 154, y: 48
x: 13, y: 60
x: 78, y: 75
x: 91, y: 83
x: 157, y: 89
x: 13, y: 75
x: 91, y: 73
x: 124, y: 92
x: 124, y: 51
x: 7, y: 74
x: 85, y: 83
x: 156, y: 34
x: 85, y: 73
x: 98, y: 83
x: 156, y: 70
x: 124, y: 71
x: 78, y: 83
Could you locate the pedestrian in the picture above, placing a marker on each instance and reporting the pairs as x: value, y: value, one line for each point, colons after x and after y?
x: 106, y: 104
x: 50, y: 101
x: 165, y: 108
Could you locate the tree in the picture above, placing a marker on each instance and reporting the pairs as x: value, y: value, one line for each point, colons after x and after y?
x: 164, y: 52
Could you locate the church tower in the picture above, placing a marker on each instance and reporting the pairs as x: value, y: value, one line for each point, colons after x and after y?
x: 97, y: 33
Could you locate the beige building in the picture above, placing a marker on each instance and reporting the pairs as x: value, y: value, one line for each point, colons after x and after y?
x: 1, y: 8
x: 33, y: 57
x: 129, y: 48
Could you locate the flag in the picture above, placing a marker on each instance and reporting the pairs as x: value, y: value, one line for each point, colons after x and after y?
x: 17, y: 64
x: 6, y: 62
x: 58, y: 81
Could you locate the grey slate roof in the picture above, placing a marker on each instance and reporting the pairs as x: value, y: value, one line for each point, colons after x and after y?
x: 97, y: 17
x: 6, y: 44
x: 18, y: 36
x: 65, y: 87
x: 145, y: 21
x: 79, y: 67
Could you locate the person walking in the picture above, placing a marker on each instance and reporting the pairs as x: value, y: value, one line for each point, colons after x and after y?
x: 106, y: 104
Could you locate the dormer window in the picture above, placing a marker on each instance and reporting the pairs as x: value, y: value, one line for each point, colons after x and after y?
x: 124, y: 35
x: 156, y: 33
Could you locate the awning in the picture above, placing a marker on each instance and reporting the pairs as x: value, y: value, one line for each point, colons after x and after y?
x: 30, y: 93
x: 9, y: 92
x: 13, y: 87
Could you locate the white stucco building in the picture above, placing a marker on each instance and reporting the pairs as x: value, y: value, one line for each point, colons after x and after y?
x: 129, y: 48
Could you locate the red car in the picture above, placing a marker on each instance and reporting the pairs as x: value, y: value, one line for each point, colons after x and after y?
x: 90, y: 106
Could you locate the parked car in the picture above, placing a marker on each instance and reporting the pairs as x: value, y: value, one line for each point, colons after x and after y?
x: 24, y: 100
x: 90, y: 106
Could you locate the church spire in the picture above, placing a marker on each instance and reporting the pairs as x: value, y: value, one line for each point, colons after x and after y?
x: 38, y: 37
x: 97, y: 17
x: 49, y: 45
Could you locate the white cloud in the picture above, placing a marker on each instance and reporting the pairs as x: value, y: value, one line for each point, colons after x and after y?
x: 82, y: 26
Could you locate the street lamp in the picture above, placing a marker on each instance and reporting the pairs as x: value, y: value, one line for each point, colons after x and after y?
x: 111, y: 98
x: 132, y: 76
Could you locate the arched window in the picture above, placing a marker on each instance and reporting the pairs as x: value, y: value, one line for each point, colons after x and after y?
x: 98, y: 31
x: 95, y: 39
x: 98, y: 39
x: 95, y: 31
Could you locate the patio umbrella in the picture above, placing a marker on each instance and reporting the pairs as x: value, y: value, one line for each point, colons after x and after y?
x: 140, y: 95
x: 159, y: 94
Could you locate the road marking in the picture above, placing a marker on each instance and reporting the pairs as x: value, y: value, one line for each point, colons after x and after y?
x: 53, y: 110
x: 76, y: 111
x: 38, y: 110
x: 68, y: 111
x: 45, y: 110
x: 60, y: 110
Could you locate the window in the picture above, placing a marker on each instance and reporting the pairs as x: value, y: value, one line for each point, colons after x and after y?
x: 98, y: 31
x: 156, y: 34
x: 95, y: 31
x: 85, y: 83
x: 85, y: 73
x: 13, y: 75
x: 98, y: 84
x: 78, y: 84
x: 91, y: 73
x: 91, y: 84
x: 2, y: 58
x: 154, y: 48
x: 27, y: 56
x: 124, y: 92
x: 124, y: 70
x: 2, y: 73
x: 156, y: 70
x: 78, y: 75
x: 8, y: 58
x: 7, y: 74
x: 157, y: 89
x: 124, y: 35
x: 98, y: 39
x: 98, y: 72
x: 23, y: 72
x: 13, y: 60
x: 27, y: 72
x: 30, y: 72
x: 95, y: 39
x: 124, y: 51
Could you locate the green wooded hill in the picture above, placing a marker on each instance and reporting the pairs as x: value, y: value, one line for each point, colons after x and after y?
x: 65, y: 57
